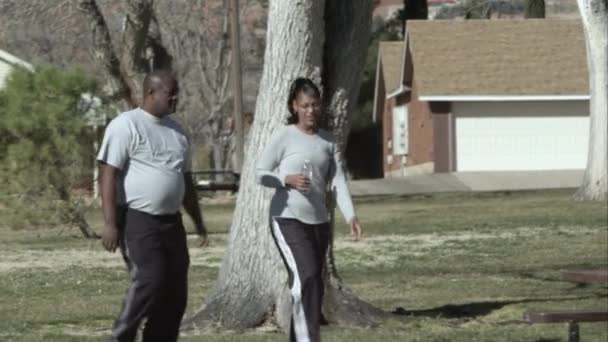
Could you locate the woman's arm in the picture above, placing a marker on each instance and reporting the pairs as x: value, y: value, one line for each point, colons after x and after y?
x: 265, y: 167
x: 343, y: 197
x: 338, y: 183
x: 265, y: 171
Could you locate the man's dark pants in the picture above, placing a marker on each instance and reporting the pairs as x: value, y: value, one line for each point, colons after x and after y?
x: 157, y: 254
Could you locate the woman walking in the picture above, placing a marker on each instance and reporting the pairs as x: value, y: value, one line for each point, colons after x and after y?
x: 300, y: 162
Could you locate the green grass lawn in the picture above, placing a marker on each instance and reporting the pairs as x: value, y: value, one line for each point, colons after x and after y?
x: 454, y: 267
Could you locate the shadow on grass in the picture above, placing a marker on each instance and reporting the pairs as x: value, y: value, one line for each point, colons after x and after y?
x: 472, y: 310
x: 573, y: 286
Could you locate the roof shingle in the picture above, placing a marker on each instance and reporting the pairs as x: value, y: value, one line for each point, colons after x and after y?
x: 498, y: 57
x: 391, y: 57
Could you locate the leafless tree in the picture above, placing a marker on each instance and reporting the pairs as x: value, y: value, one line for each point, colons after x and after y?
x: 202, y: 58
x: 595, y: 22
x: 190, y: 37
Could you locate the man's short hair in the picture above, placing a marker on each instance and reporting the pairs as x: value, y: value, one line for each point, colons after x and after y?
x: 156, y: 78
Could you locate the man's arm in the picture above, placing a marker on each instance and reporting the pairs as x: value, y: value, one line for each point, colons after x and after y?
x: 107, y: 182
x: 192, y: 207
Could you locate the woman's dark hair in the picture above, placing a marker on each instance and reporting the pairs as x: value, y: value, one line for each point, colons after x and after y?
x: 299, y: 86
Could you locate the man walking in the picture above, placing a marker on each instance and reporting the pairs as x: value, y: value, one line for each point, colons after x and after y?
x: 145, y: 162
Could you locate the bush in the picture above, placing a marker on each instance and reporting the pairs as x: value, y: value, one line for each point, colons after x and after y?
x: 47, y: 147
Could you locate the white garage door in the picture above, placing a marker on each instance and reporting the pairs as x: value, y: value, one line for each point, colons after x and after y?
x: 521, y: 143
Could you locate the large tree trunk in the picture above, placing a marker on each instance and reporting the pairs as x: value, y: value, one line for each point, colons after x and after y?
x: 595, y: 22
x: 347, y: 37
x: 252, y: 284
x: 237, y: 84
x: 133, y: 44
x: 416, y: 9
x: 535, y: 9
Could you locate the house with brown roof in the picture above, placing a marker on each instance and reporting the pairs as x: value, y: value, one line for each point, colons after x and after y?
x: 484, y: 95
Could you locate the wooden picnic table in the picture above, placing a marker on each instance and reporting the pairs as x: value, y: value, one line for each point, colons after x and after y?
x: 216, y: 180
x: 574, y: 317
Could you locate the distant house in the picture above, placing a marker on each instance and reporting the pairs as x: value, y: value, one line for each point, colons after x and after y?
x: 484, y: 95
x: 7, y: 63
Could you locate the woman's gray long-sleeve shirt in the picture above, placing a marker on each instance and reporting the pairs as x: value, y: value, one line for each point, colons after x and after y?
x: 289, y: 147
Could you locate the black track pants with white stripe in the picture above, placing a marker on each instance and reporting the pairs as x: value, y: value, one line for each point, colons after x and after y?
x: 303, y: 247
x: 156, y: 249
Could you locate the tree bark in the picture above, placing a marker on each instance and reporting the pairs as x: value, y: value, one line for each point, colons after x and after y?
x: 535, y: 9
x: 133, y: 44
x: 104, y: 52
x: 595, y: 21
x: 416, y: 9
x: 347, y: 27
x: 157, y: 54
x: 252, y: 285
x: 237, y: 83
x: 347, y: 38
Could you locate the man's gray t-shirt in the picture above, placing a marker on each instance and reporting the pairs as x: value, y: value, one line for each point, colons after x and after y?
x: 289, y: 147
x: 152, y: 155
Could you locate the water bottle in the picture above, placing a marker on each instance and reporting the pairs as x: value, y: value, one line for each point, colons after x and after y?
x: 307, y: 171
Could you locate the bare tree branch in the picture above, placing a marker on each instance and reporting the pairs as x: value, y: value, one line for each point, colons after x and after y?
x: 133, y: 42
x: 135, y: 33
x: 104, y: 51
